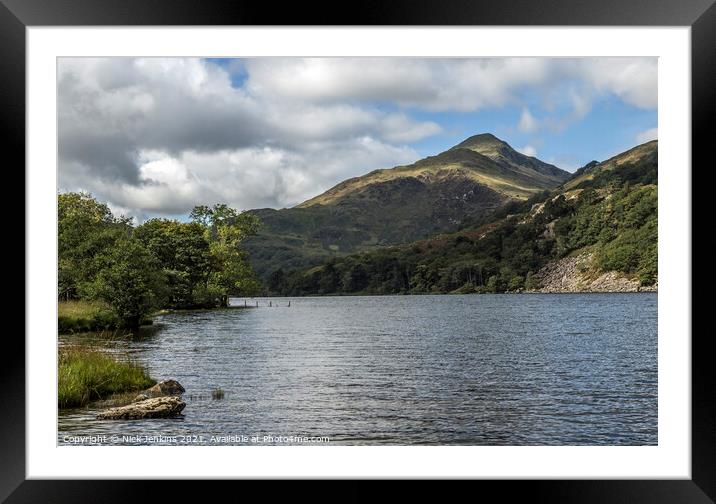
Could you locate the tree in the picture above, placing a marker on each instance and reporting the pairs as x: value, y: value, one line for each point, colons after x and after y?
x: 224, y: 229
x: 160, y: 263
x: 131, y: 282
x: 277, y: 282
x: 183, y: 252
x: 86, y: 229
x: 355, y: 278
x: 531, y: 282
x: 495, y: 284
x: 516, y: 283
x: 222, y: 215
x: 330, y: 279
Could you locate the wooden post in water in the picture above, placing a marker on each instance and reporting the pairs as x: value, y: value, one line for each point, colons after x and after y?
x: 257, y: 304
x: 269, y: 304
x: 244, y: 303
x: 289, y: 304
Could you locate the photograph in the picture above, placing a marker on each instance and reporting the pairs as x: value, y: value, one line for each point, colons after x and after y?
x: 399, y: 242
x: 357, y: 251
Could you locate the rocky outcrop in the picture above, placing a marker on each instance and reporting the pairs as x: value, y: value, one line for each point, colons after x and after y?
x: 162, y: 389
x: 157, y: 407
x: 163, y: 400
x: 575, y: 274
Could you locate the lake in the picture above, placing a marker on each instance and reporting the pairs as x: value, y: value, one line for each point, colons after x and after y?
x: 503, y: 369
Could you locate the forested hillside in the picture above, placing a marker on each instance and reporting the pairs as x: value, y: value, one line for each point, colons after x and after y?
x: 608, y: 209
x: 399, y: 205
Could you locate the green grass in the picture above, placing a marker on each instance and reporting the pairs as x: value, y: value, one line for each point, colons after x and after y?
x: 86, y: 374
x: 80, y: 316
x: 84, y: 316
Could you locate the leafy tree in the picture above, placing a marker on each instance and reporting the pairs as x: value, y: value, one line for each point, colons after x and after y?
x: 131, y: 282
x: 224, y: 229
x: 183, y: 252
x: 162, y: 263
x: 330, y: 278
x: 530, y: 282
x: 517, y: 282
x: 494, y: 284
x: 355, y: 278
x: 85, y: 230
x: 277, y: 281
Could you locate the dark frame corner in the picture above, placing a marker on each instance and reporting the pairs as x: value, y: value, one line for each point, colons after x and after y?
x: 700, y: 15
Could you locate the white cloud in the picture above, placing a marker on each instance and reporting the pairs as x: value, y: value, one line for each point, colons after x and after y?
x: 527, y: 124
x: 634, y: 80
x: 399, y: 128
x: 159, y: 135
x: 528, y: 150
x: 432, y: 84
x: 447, y: 84
x: 646, y: 136
x: 568, y: 105
x: 244, y: 178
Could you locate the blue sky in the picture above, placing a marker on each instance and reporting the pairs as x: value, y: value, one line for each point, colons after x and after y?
x: 156, y: 136
x: 609, y: 128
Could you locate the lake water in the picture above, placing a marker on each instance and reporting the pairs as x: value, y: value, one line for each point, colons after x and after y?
x: 523, y: 369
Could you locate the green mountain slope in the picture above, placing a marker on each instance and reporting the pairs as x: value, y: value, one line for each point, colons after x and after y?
x: 399, y: 205
x: 492, y: 147
x: 629, y: 161
x: 606, y: 215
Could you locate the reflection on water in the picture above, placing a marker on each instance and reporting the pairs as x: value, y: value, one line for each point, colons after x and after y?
x: 544, y: 369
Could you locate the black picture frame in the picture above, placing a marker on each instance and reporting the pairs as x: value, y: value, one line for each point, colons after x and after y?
x: 700, y: 15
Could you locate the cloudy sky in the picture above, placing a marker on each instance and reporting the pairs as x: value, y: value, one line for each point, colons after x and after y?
x: 155, y: 137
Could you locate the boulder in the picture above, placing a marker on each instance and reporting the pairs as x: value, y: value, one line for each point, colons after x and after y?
x: 162, y: 389
x: 156, y: 407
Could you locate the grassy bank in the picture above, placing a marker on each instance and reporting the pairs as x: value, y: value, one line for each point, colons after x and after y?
x: 84, y: 316
x: 87, y: 316
x: 86, y: 374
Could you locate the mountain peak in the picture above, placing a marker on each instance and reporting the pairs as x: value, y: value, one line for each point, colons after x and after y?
x: 482, y: 159
x: 481, y: 141
x: 504, y: 155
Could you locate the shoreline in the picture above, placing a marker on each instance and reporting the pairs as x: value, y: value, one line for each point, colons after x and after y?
x: 166, y: 311
x: 268, y: 296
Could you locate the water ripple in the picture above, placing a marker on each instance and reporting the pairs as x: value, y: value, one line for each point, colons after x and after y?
x: 464, y: 370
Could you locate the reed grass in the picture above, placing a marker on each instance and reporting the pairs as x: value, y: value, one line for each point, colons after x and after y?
x: 86, y: 374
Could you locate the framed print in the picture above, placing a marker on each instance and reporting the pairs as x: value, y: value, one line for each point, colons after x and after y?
x: 433, y: 245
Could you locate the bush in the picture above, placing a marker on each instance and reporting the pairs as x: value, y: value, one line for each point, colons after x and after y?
x: 466, y: 288
x: 648, y: 266
x: 530, y: 282
x: 516, y: 283
x: 495, y: 284
x: 207, y: 297
x: 618, y: 255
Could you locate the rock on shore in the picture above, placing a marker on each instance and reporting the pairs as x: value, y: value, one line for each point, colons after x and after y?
x: 163, y: 400
x: 156, y: 407
x: 575, y: 274
x: 162, y: 389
